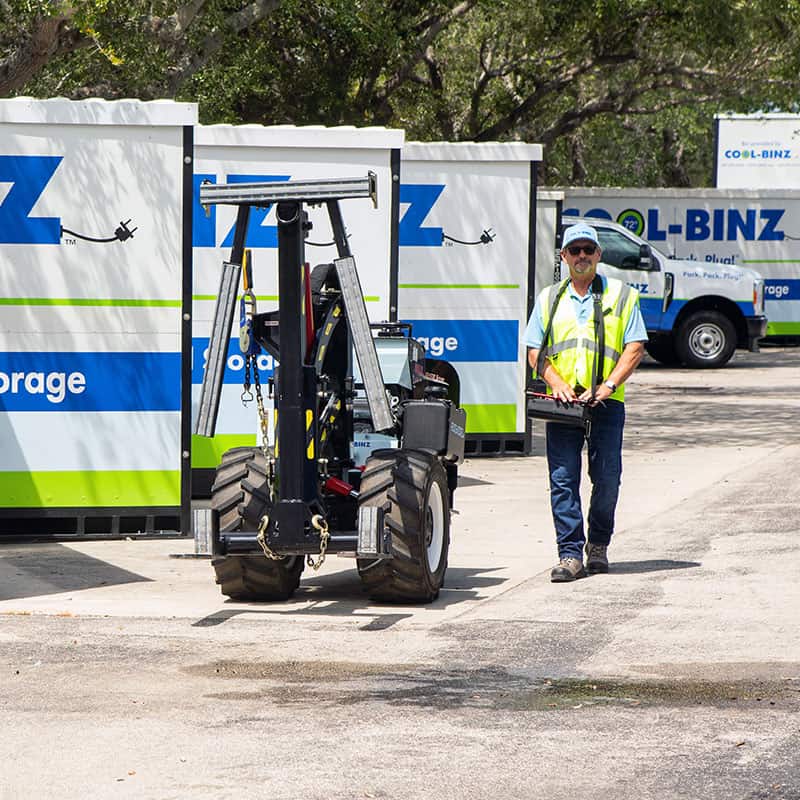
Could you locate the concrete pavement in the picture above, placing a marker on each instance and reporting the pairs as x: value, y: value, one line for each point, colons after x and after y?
x: 677, y: 675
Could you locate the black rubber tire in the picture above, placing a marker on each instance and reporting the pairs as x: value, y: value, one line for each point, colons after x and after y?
x: 411, y: 487
x: 239, y: 500
x: 705, y: 340
x: 662, y: 349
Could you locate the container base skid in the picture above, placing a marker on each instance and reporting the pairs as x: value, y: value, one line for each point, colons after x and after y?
x: 55, y: 524
x: 495, y: 444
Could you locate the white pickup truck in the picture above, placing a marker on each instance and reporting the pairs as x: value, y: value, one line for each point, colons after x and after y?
x: 696, y: 314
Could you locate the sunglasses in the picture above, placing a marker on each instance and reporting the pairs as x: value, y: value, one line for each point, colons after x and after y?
x: 577, y: 249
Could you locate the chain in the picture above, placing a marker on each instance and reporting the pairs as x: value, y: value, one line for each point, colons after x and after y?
x: 317, y: 522
x: 262, y: 539
x: 247, y: 395
x: 250, y: 349
x: 263, y: 414
x: 321, y: 525
x: 247, y: 344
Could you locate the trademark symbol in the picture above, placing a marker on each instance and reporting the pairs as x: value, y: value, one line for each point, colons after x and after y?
x: 69, y: 240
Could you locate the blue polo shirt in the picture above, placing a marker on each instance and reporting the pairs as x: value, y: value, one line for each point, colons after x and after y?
x: 635, y: 330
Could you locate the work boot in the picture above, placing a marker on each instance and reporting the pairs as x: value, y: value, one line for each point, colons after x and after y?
x: 596, y: 558
x: 568, y: 569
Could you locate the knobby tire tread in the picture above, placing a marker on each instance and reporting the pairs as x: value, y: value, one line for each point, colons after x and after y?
x: 398, y: 481
x: 239, y: 500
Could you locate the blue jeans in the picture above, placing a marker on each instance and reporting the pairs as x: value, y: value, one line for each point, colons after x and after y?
x: 564, y: 446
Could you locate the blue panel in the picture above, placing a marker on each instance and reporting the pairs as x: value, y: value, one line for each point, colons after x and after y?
x: 204, y: 220
x: 651, y: 311
x: 258, y: 234
x: 669, y: 318
x: 90, y: 381
x: 469, y: 339
x: 234, y: 367
x: 420, y: 198
x: 204, y: 223
x: 781, y: 289
x: 28, y: 176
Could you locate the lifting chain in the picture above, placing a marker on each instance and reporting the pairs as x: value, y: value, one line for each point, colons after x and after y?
x: 247, y: 342
x: 320, y: 524
x: 317, y: 521
x: 247, y: 395
x: 262, y: 539
x: 250, y: 350
x: 263, y: 413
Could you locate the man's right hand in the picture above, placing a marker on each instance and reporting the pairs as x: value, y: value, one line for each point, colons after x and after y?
x: 563, y: 391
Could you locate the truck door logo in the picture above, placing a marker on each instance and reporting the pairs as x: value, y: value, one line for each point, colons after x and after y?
x: 204, y: 226
x: 698, y: 224
x: 28, y: 176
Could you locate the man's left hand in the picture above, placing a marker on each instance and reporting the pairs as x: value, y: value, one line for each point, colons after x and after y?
x: 603, y: 393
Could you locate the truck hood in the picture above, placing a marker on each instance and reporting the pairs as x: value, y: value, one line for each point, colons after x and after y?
x: 710, y: 271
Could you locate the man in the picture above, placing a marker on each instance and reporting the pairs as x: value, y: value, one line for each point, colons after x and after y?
x: 568, y: 366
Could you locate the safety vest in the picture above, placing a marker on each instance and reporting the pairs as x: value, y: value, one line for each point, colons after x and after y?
x: 571, y: 347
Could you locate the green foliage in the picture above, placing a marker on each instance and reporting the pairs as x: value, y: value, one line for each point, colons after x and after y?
x: 619, y: 91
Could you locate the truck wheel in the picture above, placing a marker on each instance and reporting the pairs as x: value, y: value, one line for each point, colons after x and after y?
x: 239, y: 499
x: 411, y: 487
x: 706, y: 339
x: 662, y: 349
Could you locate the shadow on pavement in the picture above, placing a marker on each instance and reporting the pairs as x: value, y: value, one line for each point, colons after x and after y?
x: 341, y: 595
x: 372, y: 621
x: 44, y: 569
x: 711, y: 418
x: 463, y: 578
x: 656, y: 565
x: 465, y: 480
x: 772, y: 357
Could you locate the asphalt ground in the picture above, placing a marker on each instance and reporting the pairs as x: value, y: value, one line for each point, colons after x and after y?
x: 125, y: 674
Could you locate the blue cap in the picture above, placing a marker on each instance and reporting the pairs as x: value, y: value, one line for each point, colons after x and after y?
x: 579, y: 231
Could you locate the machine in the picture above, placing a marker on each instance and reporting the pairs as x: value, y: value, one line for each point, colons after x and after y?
x: 362, y: 456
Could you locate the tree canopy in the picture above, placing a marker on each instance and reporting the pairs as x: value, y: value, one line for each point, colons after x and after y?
x: 620, y: 92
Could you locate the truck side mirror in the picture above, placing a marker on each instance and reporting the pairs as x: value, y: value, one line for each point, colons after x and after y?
x: 645, y: 257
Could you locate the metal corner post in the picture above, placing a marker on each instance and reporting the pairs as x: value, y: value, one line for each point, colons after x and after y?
x: 394, y: 240
x: 532, y: 289
x: 186, y: 332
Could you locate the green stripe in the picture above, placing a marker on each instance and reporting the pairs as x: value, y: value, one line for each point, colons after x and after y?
x: 369, y: 298
x: 116, y: 302
x: 207, y: 453
x: 85, y: 489
x: 771, y: 261
x: 213, y: 298
x: 783, y: 328
x: 491, y: 417
x: 458, y: 285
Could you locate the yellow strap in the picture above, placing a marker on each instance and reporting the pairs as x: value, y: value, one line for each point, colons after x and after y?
x: 245, y: 283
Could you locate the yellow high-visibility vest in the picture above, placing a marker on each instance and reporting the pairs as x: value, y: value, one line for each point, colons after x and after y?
x: 571, y: 347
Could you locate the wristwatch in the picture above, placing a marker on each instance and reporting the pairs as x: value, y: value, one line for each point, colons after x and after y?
x: 611, y: 385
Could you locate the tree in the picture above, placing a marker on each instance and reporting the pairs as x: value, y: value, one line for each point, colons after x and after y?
x: 618, y: 91
x: 115, y: 48
x: 608, y: 77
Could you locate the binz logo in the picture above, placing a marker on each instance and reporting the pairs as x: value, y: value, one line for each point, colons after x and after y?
x: 204, y: 226
x: 420, y: 199
x: 26, y: 178
x: 756, y: 155
x: 698, y: 224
